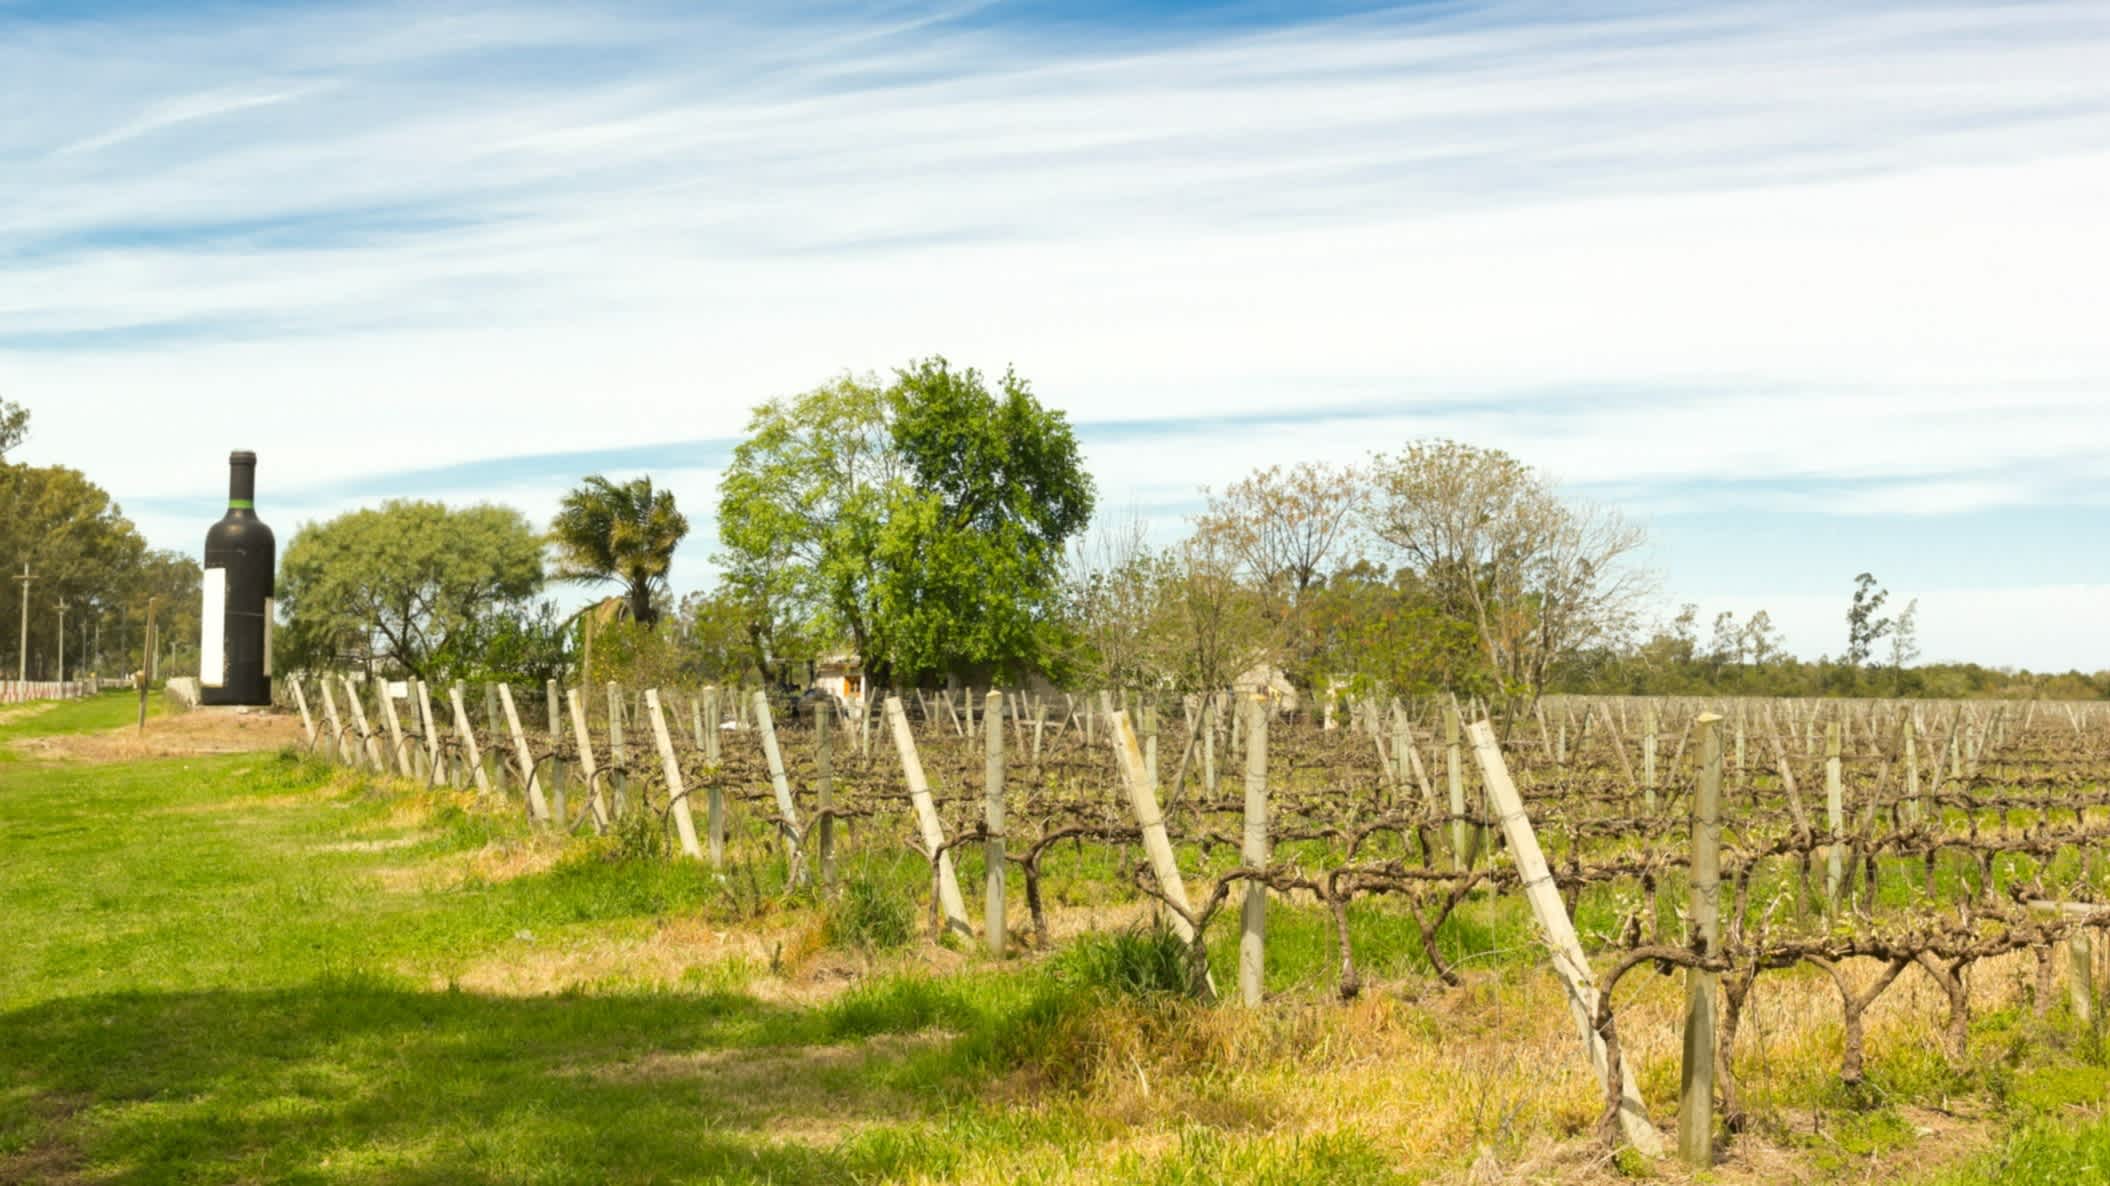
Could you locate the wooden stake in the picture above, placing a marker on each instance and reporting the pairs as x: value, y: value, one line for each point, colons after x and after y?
x: 1252, y: 933
x: 1696, y: 1078
x: 993, y: 823
x: 678, y: 792
x: 538, y: 807
x: 587, y: 765
x: 786, y: 809
x: 468, y: 740
x: 949, y: 899
x: 1569, y: 962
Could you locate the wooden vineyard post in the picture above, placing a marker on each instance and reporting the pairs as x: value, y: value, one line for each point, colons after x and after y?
x: 1209, y: 744
x: 1835, y: 817
x: 538, y: 807
x: 432, y: 734
x: 1569, y: 962
x: 559, y: 776
x: 618, y: 753
x: 336, y: 748
x: 1912, y: 772
x: 1696, y: 1076
x: 2080, y: 980
x: 1143, y: 800
x: 395, y: 727
x: 468, y: 740
x: 588, y: 767
x: 786, y: 809
x: 1252, y: 932
x: 714, y: 795
x: 949, y: 899
x: 367, y: 741
x: 307, y: 720
x: 824, y: 787
x: 677, y: 791
x: 1648, y: 759
x: 1454, y: 773
x: 993, y: 823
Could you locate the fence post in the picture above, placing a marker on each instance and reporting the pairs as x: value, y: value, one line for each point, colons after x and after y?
x: 559, y: 776
x: 1252, y: 934
x: 307, y: 722
x: 1696, y: 1078
x: 336, y: 749
x: 949, y: 899
x: 993, y: 823
x: 786, y: 808
x: 395, y: 727
x: 618, y: 753
x: 1454, y: 770
x: 468, y: 739
x: 538, y: 807
x: 1150, y: 819
x: 714, y: 795
x: 432, y: 734
x: 1835, y: 816
x: 367, y: 740
x: 677, y: 791
x: 587, y: 765
x: 1569, y: 961
x: 824, y: 786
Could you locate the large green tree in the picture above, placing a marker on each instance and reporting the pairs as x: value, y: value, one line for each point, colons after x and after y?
x: 922, y: 522
x: 406, y: 584
x: 624, y: 532
x: 82, y: 552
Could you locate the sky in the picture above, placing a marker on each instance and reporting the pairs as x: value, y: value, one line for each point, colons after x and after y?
x: 1806, y: 289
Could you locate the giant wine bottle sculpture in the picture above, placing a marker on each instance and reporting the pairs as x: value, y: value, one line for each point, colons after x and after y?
x: 241, y: 567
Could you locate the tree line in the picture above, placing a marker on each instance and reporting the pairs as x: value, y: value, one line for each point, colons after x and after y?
x: 84, y: 555
x: 937, y: 525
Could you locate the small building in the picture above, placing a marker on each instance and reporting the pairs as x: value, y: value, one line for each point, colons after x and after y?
x: 841, y: 676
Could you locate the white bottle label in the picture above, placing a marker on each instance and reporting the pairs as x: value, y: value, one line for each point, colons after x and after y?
x: 212, y: 648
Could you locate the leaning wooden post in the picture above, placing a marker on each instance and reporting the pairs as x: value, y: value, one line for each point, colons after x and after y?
x: 1835, y: 815
x: 1912, y: 772
x: 949, y: 899
x: 336, y: 748
x: 468, y: 740
x: 588, y: 766
x: 1649, y: 742
x: 1143, y: 801
x: 367, y: 741
x: 307, y: 721
x: 538, y: 807
x: 1696, y: 1076
x: 993, y: 823
x: 395, y: 728
x: 1252, y: 933
x: 824, y: 787
x: 677, y: 791
x: 786, y: 809
x: 432, y: 730
x: 1569, y: 962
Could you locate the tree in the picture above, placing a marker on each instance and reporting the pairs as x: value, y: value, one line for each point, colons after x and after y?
x: 1117, y: 592
x: 1288, y: 529
x: 1863, y: 628
x: 625, y: 533
x: 1726, y: 648
x: 14, y: 427
x: 1761, y: 639
x: 410, y: 583
x: 924, y: 522
x: 82, y: 551
x: 1538, y: 579
x: 1904, y: 640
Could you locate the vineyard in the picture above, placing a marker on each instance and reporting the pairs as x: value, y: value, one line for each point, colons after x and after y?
x: 1736, y: 843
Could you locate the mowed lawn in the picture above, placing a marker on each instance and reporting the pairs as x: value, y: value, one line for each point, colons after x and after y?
x: 252, y: 968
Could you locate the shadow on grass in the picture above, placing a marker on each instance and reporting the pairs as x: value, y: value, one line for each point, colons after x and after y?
x: 349, y: 1080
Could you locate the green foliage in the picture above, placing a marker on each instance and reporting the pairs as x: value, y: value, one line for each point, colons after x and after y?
x: 622, y: 532
x: 870, y: 915
x: 1379, y: 632
x: 1138, y: 961
x: 86, y: 554
x: 14, y: 427
x: 397, y: 583
x: 922, y: 523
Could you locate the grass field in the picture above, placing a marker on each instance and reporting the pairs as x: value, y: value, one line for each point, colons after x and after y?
x: 252, y: 968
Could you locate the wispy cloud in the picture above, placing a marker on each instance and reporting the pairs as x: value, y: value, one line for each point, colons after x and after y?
x: 1762, y: 257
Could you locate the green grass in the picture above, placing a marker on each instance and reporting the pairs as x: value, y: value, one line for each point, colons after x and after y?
x: 61, y: 717
x: 205, y: 982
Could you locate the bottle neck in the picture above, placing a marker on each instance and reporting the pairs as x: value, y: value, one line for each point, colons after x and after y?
x: 241, y: 488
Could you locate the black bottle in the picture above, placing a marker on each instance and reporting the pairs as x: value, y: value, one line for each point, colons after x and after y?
x: 241, y: 574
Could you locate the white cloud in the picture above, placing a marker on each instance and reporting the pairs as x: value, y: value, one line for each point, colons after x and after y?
x: 1839, y: 257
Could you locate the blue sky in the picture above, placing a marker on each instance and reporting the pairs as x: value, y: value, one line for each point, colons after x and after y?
x: 1806, y: 288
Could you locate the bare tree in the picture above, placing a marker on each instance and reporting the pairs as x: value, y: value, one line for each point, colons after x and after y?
x: 1215, y: 626
x: 1117, y: 589
x: 1538, y: 578
x: 1288, y: 529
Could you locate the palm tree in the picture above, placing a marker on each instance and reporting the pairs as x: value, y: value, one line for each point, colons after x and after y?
x: 624, y: 533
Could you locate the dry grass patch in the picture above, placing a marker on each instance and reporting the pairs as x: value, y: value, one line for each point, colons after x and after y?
x: 201, y: 733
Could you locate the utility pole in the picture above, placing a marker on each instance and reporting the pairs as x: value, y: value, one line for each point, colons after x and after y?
x: 62, y: 642
x: 22, y: 660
